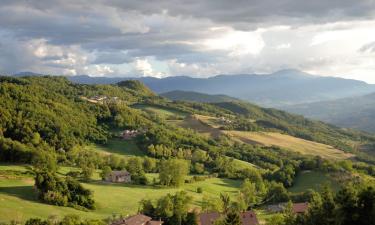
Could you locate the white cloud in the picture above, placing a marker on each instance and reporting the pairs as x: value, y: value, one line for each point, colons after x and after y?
x: 283, y: 46
x: 236, y: 42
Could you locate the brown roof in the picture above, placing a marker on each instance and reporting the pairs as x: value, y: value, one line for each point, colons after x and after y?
x: 208, y: 218
x: 249, y: 218
x: 300, y: 207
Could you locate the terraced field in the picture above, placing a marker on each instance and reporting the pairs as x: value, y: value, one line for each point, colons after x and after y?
x: 194, y: 122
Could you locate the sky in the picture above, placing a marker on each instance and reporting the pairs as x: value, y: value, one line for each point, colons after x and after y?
x: 196, y: 38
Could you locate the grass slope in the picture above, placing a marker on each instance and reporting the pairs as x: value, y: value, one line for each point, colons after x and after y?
x: 18, y: 198
x: 119, y: 146
x: 162, y: 111
x: 312, y: 180
x: 292, y: 143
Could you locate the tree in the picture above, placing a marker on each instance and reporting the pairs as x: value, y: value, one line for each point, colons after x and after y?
x: 249, y: 192
x: 149, y: 164
x: 87, y: 171
x: 43, y: 160
x: 232, y: 218
x: 146, y: 207
x: 106, y: 171
x: 173, y: 171
x: 210, y: 204
x: 191, y: 218
x: 199, y: 168
x: 36, y: 221
x: 225, y: 199
x: 277, y: 193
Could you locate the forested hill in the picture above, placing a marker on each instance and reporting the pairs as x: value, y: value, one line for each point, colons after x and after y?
x: 285, y: 87
x: 52, y: 114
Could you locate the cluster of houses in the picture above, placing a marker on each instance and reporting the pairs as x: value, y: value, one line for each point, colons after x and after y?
x: 209, y: 218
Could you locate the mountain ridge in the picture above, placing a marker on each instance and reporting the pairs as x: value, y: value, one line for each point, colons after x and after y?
x: 285, y: 87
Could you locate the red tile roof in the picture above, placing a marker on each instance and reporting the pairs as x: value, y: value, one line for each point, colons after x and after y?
x: 300, y: 207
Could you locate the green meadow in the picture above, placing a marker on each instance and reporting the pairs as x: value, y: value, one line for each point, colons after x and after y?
x: 118, y: 146
x: 162, y: 111
x: 312, y: 180
x: 19, y: 200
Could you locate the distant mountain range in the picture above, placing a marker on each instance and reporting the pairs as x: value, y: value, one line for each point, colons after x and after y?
x: 286, y: 87
x: 354, y: 112
x: 196, y: 97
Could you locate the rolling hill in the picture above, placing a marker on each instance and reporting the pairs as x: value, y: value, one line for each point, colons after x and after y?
x: 285, y: 87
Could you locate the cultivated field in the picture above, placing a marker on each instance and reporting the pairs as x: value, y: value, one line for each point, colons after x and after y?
x: 194, y: 122
x: 291, y: 143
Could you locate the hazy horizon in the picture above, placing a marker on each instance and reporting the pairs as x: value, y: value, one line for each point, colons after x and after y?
x: 200, y: 39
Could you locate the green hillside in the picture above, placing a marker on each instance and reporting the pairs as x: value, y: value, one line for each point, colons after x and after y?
x: 68, y: 134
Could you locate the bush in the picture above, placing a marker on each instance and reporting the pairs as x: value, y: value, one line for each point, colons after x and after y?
x: 199, y: 190
x: 63, y: 192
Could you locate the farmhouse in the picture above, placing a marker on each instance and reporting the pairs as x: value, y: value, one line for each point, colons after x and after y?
x: 139, y: 219
x: 119, y: 177
x: 247, y: 218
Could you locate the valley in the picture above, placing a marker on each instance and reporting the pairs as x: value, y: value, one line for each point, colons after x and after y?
x: 220, y: 150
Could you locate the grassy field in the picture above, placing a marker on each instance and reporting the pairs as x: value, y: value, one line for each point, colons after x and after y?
x: 118, y: 146
x: 18, y: 198
x: 292, y: 143
x: 162, y: 111
x: 312, y: 180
